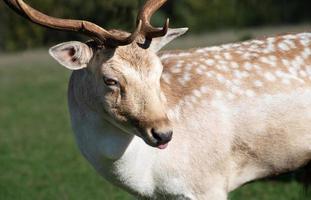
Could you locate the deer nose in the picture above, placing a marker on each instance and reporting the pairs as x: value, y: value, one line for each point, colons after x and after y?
x: 162, y: 137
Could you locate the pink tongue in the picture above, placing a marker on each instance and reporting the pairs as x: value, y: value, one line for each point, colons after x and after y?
x: 162, y: 146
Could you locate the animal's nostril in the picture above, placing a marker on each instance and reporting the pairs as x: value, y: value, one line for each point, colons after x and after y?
x: 155, y: 134
x: 162, y: 137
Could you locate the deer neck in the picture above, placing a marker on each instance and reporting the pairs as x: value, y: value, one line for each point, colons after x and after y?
x: 112, y: 151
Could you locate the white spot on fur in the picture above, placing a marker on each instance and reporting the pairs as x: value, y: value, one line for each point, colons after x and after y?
x: 286, y: 81
x: 210, y: 62
x: 200, y: 51
x: 283, y: 46
x: 244, y: 74
x: 285, y: 62
x: 247, y: 66
x: 176, y: 70
x: 166, y: 78
x: 305, y: 41
x: 237, y: 74
x: 259, y: 42
x: 250, y: 93
x: 234, y: 65
x: 236, y: 82
x: 258, y: 83
x: 227, y: 56
x: 293, y: 71
x: 199, y: 71
x: 231, y: 96
x: 220, y: 78
x: 197, y: 93
x: 269, y: 76
x: 272, y: 57
x: 306, y: 53
x: 223, y: 68
x: 267, y: 60
x: 246, y: 55
x: 204, y: 89
x: 183, y: 54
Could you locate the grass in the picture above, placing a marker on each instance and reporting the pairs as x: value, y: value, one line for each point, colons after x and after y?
x: 38, y: 155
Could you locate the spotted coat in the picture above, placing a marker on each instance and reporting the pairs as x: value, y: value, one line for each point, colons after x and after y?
x: 233, y: 72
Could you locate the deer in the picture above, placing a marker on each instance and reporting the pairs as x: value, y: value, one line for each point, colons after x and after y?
x: 184, y: 124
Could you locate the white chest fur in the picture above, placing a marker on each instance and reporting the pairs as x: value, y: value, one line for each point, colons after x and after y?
x: 124, y: 159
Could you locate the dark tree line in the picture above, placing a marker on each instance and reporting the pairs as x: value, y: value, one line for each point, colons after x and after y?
x: 200, y: 15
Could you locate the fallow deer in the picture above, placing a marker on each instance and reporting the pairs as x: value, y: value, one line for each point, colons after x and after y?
x: 188, y: 124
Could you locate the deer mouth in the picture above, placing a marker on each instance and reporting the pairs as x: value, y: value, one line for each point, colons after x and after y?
x: 154, y: 140
x: 162, y: 146
x: 158, y: 137
x: 156, y: 144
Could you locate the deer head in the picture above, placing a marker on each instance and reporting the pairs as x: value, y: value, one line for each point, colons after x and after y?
x: 124, y: 68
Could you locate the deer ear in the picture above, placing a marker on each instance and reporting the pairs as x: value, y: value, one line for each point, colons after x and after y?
x: 160, y: 42
x: 73, y: 55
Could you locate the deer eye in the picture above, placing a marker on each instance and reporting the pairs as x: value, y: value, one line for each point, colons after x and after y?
x: 110, y: 81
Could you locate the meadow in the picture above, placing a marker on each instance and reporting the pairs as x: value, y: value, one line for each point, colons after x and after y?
x: 38, y: 156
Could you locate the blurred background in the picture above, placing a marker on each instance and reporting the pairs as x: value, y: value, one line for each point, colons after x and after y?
x: 38, y: 155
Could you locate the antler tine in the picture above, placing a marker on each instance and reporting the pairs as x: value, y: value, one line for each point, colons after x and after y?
x: 14, y: 6
x: 145, y: 14
x: 101, y: 35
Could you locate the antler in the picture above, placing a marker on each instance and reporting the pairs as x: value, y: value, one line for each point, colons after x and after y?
x: 88, y: 28
x: 150, y: 7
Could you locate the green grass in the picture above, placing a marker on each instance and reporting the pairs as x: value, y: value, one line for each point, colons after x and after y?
x: 38, y: 155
